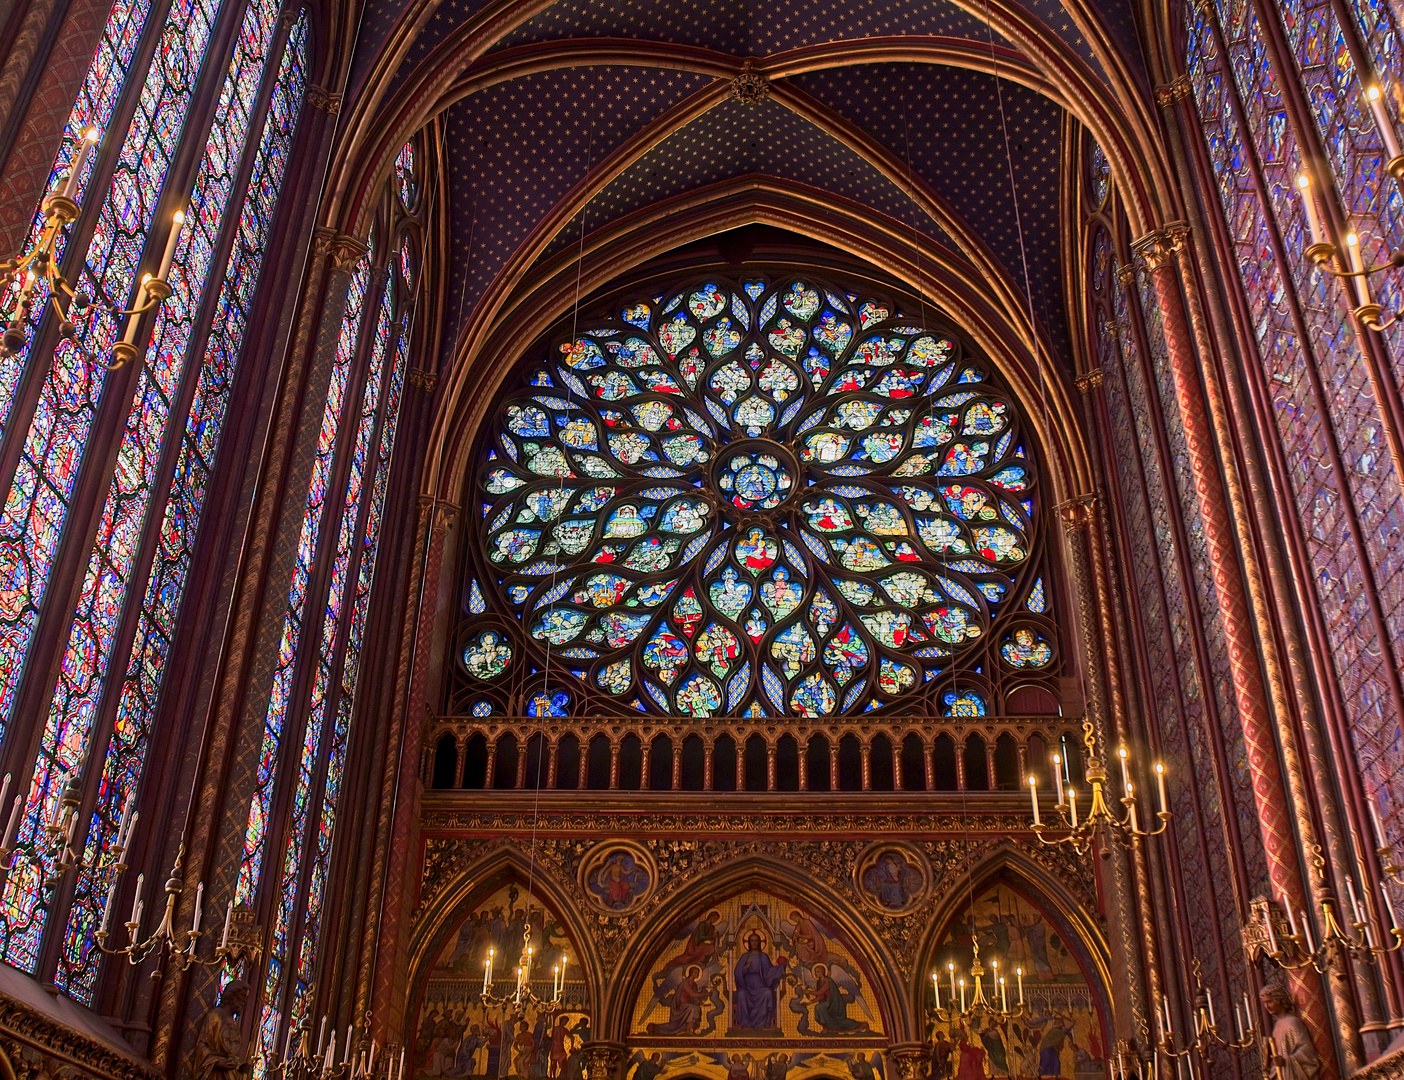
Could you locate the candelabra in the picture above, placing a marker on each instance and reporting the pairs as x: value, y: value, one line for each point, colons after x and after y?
x: 53, y: 839
x: 1351, y: 269
x: 1204, y: 1037
x: 1099, y: 817
x: 240, y: 940
x: 1288, y: 940
x: 979, y: 1004
x: 60, y: 209
x: 361, y: 1058
x: 523, y: 995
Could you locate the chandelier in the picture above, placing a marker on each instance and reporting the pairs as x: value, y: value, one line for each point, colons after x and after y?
x: 522, y: 994
x: 994, y: 1006
x: 60, y: 209
x: 1099, y: 817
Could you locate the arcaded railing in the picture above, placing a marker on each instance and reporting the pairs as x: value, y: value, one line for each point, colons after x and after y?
x: 625, y: 753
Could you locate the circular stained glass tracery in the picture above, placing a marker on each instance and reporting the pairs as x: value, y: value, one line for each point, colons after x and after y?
x: 758, y: 499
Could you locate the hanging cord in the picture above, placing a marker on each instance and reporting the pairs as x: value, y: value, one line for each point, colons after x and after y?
x: 1018, y: 217
x: 546, y: 668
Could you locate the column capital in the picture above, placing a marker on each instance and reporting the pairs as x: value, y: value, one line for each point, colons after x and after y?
x: 1077, y: 512
x: 1157, y: 247
x: 1173, y: 91
x: 910, y: 1061
x: 603, y: 1060
x: 340, y: 249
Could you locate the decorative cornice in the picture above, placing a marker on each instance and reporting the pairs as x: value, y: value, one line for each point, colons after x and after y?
x: 1089, y: 381
x: 1171, y: 92
x: 428, y: 381
x: 750, y: 87
x: 1388, y: 1066
x: 324, y: 100
x: 41, y: 1046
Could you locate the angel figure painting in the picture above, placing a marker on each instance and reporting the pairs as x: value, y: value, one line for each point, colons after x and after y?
x: 460, y: 1037
x: 757, y: 988
x: 1059, y: 1032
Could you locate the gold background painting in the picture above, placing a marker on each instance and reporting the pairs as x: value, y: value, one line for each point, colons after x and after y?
x: 458, y: 1037
x: 1059, y: 1034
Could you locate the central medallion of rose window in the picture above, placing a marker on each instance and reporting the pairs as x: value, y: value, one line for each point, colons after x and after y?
x: 753, y: 478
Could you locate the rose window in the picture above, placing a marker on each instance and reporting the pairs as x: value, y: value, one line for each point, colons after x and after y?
x: 763, y: 499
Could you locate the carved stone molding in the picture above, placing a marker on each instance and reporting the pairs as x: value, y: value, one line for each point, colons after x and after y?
x: 750, y: 87
x: 1126, y: 275
x: 42, y: 1047
x: 1157, y: 248
x: 427, y: 381
x: 909, y: 1061
x: 339, y: 249
x: 1174, y: 91
x: 324, y: 100
x: 1089, y: 381
x: 603, y: 1060
x: 689, y: 850
x: 1078, y: 512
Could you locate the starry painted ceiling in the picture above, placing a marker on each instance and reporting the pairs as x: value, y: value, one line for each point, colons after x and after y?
x: 516, y: 149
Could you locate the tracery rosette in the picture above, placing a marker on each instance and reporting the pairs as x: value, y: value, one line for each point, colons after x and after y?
x: 760, y: 499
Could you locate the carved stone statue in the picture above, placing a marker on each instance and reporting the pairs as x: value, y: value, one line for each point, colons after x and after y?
x: 1293, y: 1053
x: 219, y: 1051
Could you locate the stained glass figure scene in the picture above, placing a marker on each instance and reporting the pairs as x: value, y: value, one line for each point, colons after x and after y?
x: 759, y: 498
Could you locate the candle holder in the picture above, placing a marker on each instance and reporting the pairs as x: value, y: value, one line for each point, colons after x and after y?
x: 1292, y: 946
x: 241, y: 941
x: 1205, y: 1038
x: 360, y: 1060
x: 1348, y: 264
x: 523, y: 995
x: 995, y: 1007
x: 60, y: 209
x: 1099, y: 817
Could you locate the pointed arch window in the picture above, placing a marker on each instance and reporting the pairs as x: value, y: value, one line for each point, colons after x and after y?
x: 142, y: 439
x: 307, y: 722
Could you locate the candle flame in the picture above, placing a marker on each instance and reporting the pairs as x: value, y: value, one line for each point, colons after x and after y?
x: 1303, y: 181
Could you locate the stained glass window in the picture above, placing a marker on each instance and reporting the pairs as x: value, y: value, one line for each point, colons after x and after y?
x: 759, y: 499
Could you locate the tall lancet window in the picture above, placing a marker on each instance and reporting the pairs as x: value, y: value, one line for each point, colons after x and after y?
x: 307, y: 723
x: 230, y: 76
x: 1279, y: 91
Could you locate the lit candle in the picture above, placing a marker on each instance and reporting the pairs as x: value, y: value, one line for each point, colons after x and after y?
x: 1125, y: 775
x: 1160, y: 786
x: 349, y: 1032
x: 564, y: 960
x: 1382, y: 121
x: 1389, y: 906
x: 331, y: 1048
x: 1357, y: 267
x: 322, y: 1035
x: 1072, y: 806
x: 556, y: 982
x: 936, y: 988
x: 1374, y: 819
x: 177, y: 220
x: 86, y: 141
x: 487, y: 973
x: 107, y: 907
x: 1058, y: 777
x: 136, y: 900
x: 1019, y: 972
x: 224, y: 944
x: 121, y: 825
x: 9, y: 843
x: 199, y: 900
x: 1033, y: 798
x: 1003, y: 1000
x: 1318, y: 235
x: 961, y: 983
x: 951, y: 969
x: 1354, y: 901
x: 1306, y: 931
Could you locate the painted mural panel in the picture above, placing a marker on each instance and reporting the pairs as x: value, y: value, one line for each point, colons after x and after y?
x: 1059, y: 1032
x: 757, y: 988
x: 460, y: 1036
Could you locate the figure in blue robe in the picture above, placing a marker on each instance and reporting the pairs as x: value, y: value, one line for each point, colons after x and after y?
x: 756, y: 979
